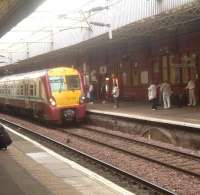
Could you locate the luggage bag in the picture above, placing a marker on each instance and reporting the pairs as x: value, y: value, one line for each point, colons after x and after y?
x: 5, y: 139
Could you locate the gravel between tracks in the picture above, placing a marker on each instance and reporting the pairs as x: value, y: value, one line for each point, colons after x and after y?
x: 175, y: 181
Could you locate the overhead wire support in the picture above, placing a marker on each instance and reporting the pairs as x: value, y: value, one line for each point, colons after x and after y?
x: 99, y: 8
x: 74, y: 27
x: 100, y: 24
x: 86, y: 20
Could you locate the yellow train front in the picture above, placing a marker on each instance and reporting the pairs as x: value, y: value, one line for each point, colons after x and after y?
x: 67, y: 100
x: 54, y: 95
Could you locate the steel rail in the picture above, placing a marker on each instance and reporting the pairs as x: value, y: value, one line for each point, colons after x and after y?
x: 134, y: 153
x: 80, y: 153
x: 142, y: 142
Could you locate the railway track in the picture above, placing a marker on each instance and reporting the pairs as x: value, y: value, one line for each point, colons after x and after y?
x: 185, y: 162
x: 153, y: 188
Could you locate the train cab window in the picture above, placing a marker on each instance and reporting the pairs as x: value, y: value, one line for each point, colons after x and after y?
x: 73, y: 82
x: 57, y: 83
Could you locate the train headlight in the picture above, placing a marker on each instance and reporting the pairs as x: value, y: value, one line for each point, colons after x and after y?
x: 82, y: 99
x: 52, y: 101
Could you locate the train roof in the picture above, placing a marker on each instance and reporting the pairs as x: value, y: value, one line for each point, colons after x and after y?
x: 33, y: 74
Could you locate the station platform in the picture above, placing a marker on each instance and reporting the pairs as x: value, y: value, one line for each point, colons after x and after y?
x: 28, y: 168
x: 187, y: 116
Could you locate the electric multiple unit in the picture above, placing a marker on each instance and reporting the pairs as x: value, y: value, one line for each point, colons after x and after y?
x: 54, y: 94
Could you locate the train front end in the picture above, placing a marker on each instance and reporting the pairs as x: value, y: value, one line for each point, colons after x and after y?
x: 67, y: 100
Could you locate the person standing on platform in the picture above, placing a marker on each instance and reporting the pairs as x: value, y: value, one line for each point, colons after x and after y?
x: 103, y: 92
x: 191, y: 90
x: 166, y: 93
x: 115, y: 81
x: 91, y: 93
x: 106, y: 90
x: 115, y: 94
x: 152, y: 96
x: 158, y: 94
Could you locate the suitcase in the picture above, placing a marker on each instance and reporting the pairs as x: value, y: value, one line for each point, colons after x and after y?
x: 5, y: 139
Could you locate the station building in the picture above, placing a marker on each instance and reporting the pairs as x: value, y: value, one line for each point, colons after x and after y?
x: 151, y: 40
x: 160, y: 48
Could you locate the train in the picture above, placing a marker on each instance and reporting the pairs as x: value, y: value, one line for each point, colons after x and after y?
x: 55, y: 95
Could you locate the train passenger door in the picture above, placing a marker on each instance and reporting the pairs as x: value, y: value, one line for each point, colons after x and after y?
x: 26, y: 94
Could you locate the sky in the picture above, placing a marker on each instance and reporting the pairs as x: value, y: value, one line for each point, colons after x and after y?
x: 52, y: 14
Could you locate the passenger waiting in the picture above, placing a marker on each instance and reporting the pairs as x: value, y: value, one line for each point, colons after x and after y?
x: 90, y: 94
x: 152, y: 95
x: 115, y: 93
x: 165, y: 88
x: 107, y: 89
x: 191, y: 90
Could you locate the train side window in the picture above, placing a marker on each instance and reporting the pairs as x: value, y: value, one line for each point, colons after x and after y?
x: 21, y: 90
x: 32, y: 89
x: 18, y: 90
x: 5, y: 91
x: 8, y: 90
x: 12, y: 89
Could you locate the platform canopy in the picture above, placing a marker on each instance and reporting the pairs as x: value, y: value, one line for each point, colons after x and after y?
x: 13, y: 11
x: 59, y: 28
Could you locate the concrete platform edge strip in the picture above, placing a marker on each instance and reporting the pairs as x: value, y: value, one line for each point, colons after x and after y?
x: 75, y: 165
x: 146, y: 118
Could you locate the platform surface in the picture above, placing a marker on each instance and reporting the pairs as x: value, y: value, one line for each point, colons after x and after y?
x: 27, y: 168
x: 185, y: 116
